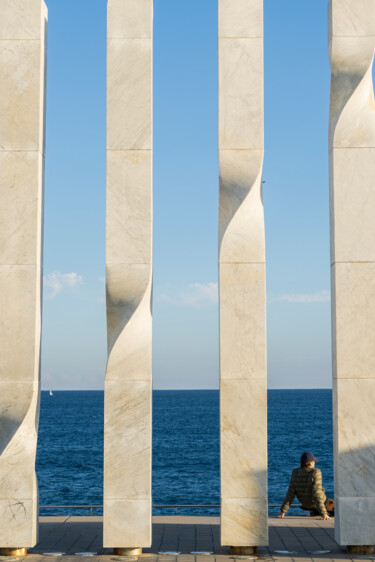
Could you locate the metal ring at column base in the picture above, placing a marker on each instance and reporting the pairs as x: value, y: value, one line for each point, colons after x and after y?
x: 13, y: 551
x: 360, y: 549
x: 243, y: 550
x: 127, y: 551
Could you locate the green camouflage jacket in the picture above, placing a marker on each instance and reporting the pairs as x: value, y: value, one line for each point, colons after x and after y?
x: 306, y: 484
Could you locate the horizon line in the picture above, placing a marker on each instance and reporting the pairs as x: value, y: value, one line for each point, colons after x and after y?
x: 170, y: 389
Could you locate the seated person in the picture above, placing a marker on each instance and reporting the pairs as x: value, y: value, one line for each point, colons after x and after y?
x: 306, y: 484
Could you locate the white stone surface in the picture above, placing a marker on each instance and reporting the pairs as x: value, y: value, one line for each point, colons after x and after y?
x: 130, y: 19
x: 129, y: 206
x: 351, y: 515
x: 128, y: 443
x: 21, y: 189
x: 355, y: 445
x: 128, y: 386
x: 353, y: 285
x: 21, y: 320
x: 21, y: 95
x: 352, y: 177
x: 242, y: 321
x: 243, y: 370
x: 353, y: 227
x: 18, y: 433
x: 352, y: 97
x: 129, y: 94
x: 244, y: 420
x: 346, y: 20
x: 242, y: 19
x: 22, y: 19
x: 22, y: 99
x: 19, y: 411
x: 129, y: 322
x: 241, y: 93
x: 241, y: 220
x: 19, y: 519
x: 127, y: 518
x: 246, y: 520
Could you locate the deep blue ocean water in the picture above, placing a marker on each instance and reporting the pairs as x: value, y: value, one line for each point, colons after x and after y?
x: 185, y: 446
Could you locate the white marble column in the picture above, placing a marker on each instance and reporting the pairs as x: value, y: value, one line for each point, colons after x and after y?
x: 22, y: 91
x: 128, y: 384
x: 243, y: 371
x: 352, y: 189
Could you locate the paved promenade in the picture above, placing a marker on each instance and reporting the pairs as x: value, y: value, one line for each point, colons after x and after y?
x: 303, y: 537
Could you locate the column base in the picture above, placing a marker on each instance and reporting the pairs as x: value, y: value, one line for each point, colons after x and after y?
x: 243, y: 550
x: 13, y: 551
x: 127, y: 551
x: 359, y: 549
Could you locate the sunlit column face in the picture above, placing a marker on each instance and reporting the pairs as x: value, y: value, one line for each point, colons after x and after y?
x: 22, y: 96
x: 243, y: 371
x: 128, y: 385
x: 352, y: 177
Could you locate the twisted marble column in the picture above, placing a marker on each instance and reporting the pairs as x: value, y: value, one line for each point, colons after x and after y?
x: 128, y: 384
x: 352, y: 180
x: 22, y: 95
x: 243, y: 371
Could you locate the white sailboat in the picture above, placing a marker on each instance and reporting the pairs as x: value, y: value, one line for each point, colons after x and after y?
x: 50, y: 393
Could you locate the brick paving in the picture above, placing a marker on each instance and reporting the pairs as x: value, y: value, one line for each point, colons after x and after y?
x: 298, y: 535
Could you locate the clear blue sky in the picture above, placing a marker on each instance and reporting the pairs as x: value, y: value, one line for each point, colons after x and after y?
x: 185, y: 314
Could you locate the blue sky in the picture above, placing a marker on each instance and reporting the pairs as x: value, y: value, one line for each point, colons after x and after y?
x: 296, y: 199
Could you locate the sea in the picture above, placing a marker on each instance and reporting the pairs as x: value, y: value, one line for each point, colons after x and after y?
x: 186, y: 456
